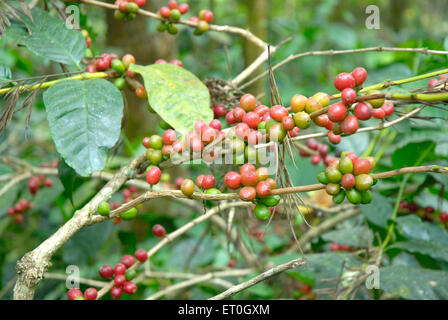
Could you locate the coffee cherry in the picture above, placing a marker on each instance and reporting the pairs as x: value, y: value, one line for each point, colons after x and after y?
x: 344, y: 80
x: 106, y: 272
x: 171, y: 28
x: 119, y: 83
x: 360, y: 75
x: 206, y: 15
x: 129, y: 287
x: 208, y: 135
x: 177, y: 63
x: 322, y: 98
x: 132, y: 7
x: 348, y: 181
x: 91, y: 68
x: 254, y: 137
x: 332, y: 188
x: 129, y: 215
x: 361, y: 166
x: 183, y: 8
x: 73, y: 293
x: 272, y: 183
x: 432, y: 82
x: 270, y: 201
x: 278, y: 112
x: 238, y: 114
x: 247, y: 193
x: 169, y: 136
x: 116, y: 292
x: 172, y: 4
x: 312, y: 105
x: 187, y: 187
x: 350, y: 155
x: 322, y: 120
x: 261, y: 110
x: 339, y: 198
x: 366, y: 197
x: 353, y: 195
x: 141, y: 92
x: 363, y: 111
x: 336, y: 127
x: 252, y: 119
x: 232, y: 180
x: 141, y: 255
x: 102, y: 65
x: 130, y: 274
x: 333, y: 174
x: 118, y: 66
x: 153, y: 176
x: 334, y: 138
x: 337, y: 112
x: 334, y: 246
x: 388, y: 108
x: 215, y: 124
x: 140, y: 3
x: 200, y: 180
x: 363, y: 182
x: 302, y: 120
x: 158, y: 231
x: 263, y: 189
x: 248, y: 102
x: 165, y: 12
x: 90, y: 294
x: 288, y: 123
x: 350, y: 125
x: 348, y: 96
x: 155, y: 156
x: 104, y: 208
x: 119, y: 269
x: 230, y: 118
x: 298, y: 102
x: 201, y: 28
x: 196, y: 145
x: 249, y: 178
x: 127, y: 260
x: 262, y: 212
x: 375, y: 103
x: 277, y: 133
x: 316, y: 158
x: 208, y: 182
x: 175, y: 14
x: 219, y: 111
x: 322, y: 178
x: 269, y: 124
x: 345, y: 165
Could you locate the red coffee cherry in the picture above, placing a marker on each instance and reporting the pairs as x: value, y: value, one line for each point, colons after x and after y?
x: 127, y: 260
x: 219, y: 111
x: 91, y: 68
x: 344, y: 80
x: 337, y: 112
x: 178, y: 146
x: 263, y: 189
x: 120, y: 269
x: 252, y: 119
x: 334, y: 246
x: 278, y: 112
x: 432, y: 82
x: 90, y: 294
x: 141, y: 92
x: 261, y: 110
x: 230, y: 118
x: 238, y: 114
x: 119, y: 280
x: 208, y: 182
x: 158, y: 230
x: 249, y: 178
x: 153, y: 176
x: 200, y: 126
x: 200, y: 180
x: 215, y: 124
x: 206, y: 15
x: 169, y: 136
x: 196, y: 145
x: 388, y: 108
x: 254, y: 137
x: 208, y: 135
x: 116, y: 292
x: 288, y: 123
x: 348, y: 181
x: 145, y: 142
x: 106, y: 272
x: 183, y: 8
x: 348, y: 96
x: 248, y: 102
x: 242, y: 130
x: 165, y: 12
x: 73, y: 293
x: 312, y: 144
x: 323, y: 149
x: 334, y: 138
x: 247, y: 167
x: 360, y: 75
x: 443, y: 216
x: 322, y: 120
x: 363, y: 111
x: 232, y: 180
x: 177, y: 62
x: 316, y: 158
x: 247, y: 193
x: 361, y: 166
x: 141, y: 255
x: 350, y: 125
x: 129, y: 287
x: 379, y: 113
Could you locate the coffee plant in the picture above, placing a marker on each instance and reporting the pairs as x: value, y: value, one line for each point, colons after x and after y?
x: 172, y: 179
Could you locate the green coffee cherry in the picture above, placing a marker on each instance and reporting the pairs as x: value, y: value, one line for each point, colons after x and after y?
x: 302, y: 120
x: 88, y: 54
x: 270, y: 201
x: 353, y: 195
x: 130, y: 274
x: 104, y: 208
x: 164, y: 125
x: 156, y: 142
x: 118, y: 66
x: 129, y: 215
x: 366, y: 197
x: 262, y: 212
x: 322, y: 178
x: 162, y: 26
x: 119, y: 83
x: 333, y: 174
x: 345, y: 165
x: 363, y: 182
x: 339, y: 198
x: 172, y: 29
x: 333, y: 188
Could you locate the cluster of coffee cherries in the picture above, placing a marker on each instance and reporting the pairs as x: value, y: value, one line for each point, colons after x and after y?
x: 434, y: 81
x: 171, y: 14
x: 127, y: 9
x: 349, y: 177
x: 16, y: 211
x: 76, y: 294
x: 104, y: 209
x: 174, y: 61
x: 321, y: 154
x: 37, y: 182
x: 428, y: 213
x: 88, y: 54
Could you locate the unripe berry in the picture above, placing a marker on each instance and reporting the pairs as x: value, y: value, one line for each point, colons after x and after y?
x: 187, y: 187
x: 298, y: 102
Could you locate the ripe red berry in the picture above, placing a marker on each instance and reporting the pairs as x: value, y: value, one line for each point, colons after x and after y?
x: 248, y: 102
x: 278, y: 112
x: 323, y: 149
x: 334, y: 138
x: 129, y: 287
x: 102, y: 65
x: 242, y: 130
x: 158, y: 231
x: 305, y: 288
x: 350, y: 125
x: 249, y: 178
x: 116, y: 292
x: 208, y: 182
x: 254, y: 137
x: 200, y: 180
x: 361, y: 166
x: 288, y: 123
x: 90, y: 294
x: 106, y: 272
x: 263, y: 189
x: 178, y: 146
x: 140, y: 3
x: 91, y: 68
x: 141, y: 255
x: 348, y: 96
x: 206, y: 15
x: 334, y: 246
x: 252, y: 119
x: 230, y: 118
x: 379, y: 113
x: 232, y: 180
x: 238, y: 114
x: 363, y: 111
x: 322, y: 120
x: 145, y: 142
x: 153, y: 176
x: 183, y: 8
x: 169, y: 136
x: 432, y: 82
x: 119, y: 280
x: 219, y: 111
x: 165, y: 12
x: 200, y: 126
x: 443, y: 216
x: 73, y: 293
x: 413, y: 207
x: 127, y: 260
x: 208, y: 134
x: 196, y: 145
x: 247, y: 167
x: 337, y: 112
x: 141, y: 92
x: 388, y: 108
x: 215, y: 124
x: 247, y: 193
x: 120, y: 269
x: 344, y: 80
x: 360, y: 75
x: 348, y: 181
x: 160, y: 61
x: 172, y: 4
x: 261, y: 110
x: 316, y: 158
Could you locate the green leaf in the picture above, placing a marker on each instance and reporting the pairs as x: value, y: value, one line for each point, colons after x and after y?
x: 50, y: 38
x: 414, y: 283
x: 176, y: 94
x: 5, y: 73
x: 359, y: 236
x: 433, y: 249
x: 67, y: 176
x: 378, y: 211
x: 412, y: 227
x: 85, y: 121
x: 405, y: 156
